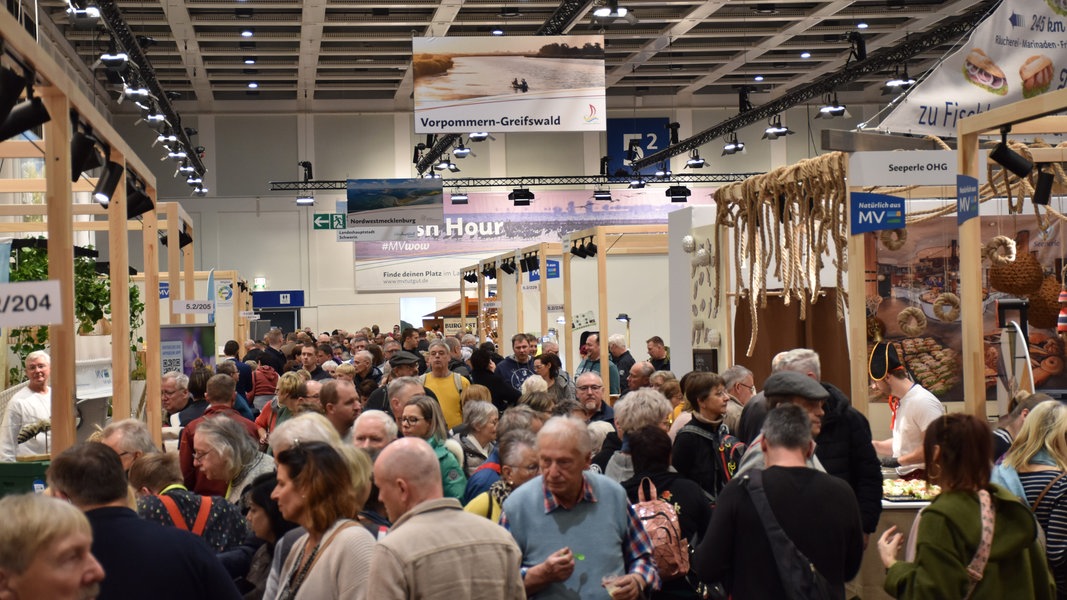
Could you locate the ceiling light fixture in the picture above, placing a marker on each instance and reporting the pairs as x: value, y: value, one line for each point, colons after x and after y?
x: 1043, y: 189
x: 252, y: 85
x: 250, y: 60
x: 497, y: 31
x: 305, y: 199
x: 460, y: 198
x: 775, y: 129
x: 805, y: 54
x: 29, y: 114
x: 479, y: 137
x: 578, y: 249
x: 600, y: 194
x: 900, y: 82
x: 732, y: 145
x: 201, y: 192
x: 461, y: 151
x: 521, y: 196
x: 678, y: 193
x: 610, y: 10
x: 862, y: 25
x: 695, y: 162
x: 832, y: 109
x: 247, y: 33
x: 83, y: 153
x: 758, y: 78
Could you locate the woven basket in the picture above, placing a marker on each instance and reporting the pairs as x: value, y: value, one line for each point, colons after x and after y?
x: 1044, y: 304
x: 1019, y: 278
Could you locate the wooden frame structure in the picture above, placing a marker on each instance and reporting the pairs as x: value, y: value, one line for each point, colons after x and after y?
x: 610, y: 240
x: 543, y: 250
x: 1030, y: 116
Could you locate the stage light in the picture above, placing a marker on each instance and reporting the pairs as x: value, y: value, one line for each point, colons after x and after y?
x: 507, y: 267
x: 308, y: 171
x: 460, y: 198
x: 83, y: 154
x: 521, y: 197
x: 602, y: 195
x: 115, y: 60
x: 695, y: 162
x: 137, y: 202
x: 1009, y: 159
x: 732, y: 145
x: 201, y: 191
x: 26, y: 115
x: 1043, y: 189
x: 590, y: 248
x: 775, y: 129
x: 461, y: 151
x: 478, y: 137
x: 678, y: 193
x: 578, y: 250
x: 305, y: 199
x: 611, y: 10
x: 637, y: 182
x: 832, y: 109
x: 109, y: 180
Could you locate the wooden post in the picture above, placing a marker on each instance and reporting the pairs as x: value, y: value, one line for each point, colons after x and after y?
x: 59, y: 199
x: 462, y: 302
x: 119, y: 252
x: 174, y: 280
x: 520, y: 307
x: 189, y: 277
x: 153, y: 379
x: 483, y: 320
x: 568, y: 311
x: 970, y: 234
x: 602, y: 310
x: 542, y: 288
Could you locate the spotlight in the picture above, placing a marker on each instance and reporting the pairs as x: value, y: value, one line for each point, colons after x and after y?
x: 186, y: 168
x: 533, y: 262
x: 663, y: 172
x: 461, y: 151
x: 460, y: 198
x: 479, y: 137
x: 832, y: 109
x: 247, y: 33
x: 109, y: 180
x: 201, y: 191
x: 114, y: 60
x: 446, y: 163
x: 637, y: 182
x: 610, y: 10
x: 137, y: 202
x: 604, y: 161
x: 590, y: 248
x: 306, y: 165
x: 507, y: 267
x: 252, y: 85
x: 184, y: 239
x: 194, y: 181
x: 489, y: 272
x: 678, y: 193
x: 1009, y: 159
x: 899, y: 82
x: 165, y: 138
x: 805, y: 54
x: 674, y: 126
x: 136, y: 93
x: 602, y: 195
x: 155, y: 118
x: 11, y: 86
x: 146, y: 41
x: 177, y: 155
x: 83, y: 17
x: 250, y: 60
x: 578, y: 250
x: 695, y: 162
x: 858, y: 48
x: 524, y: 264
x: 775, y: 129
x: 732, y: 145
x: 26, y: 115
x: 305, y: 199
x: 470, y: 277
x: 1043, y: 189
x: 521, y: 197
x: 83, y: 155
x: 497, y: 31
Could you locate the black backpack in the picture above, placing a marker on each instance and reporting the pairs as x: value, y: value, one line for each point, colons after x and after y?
x: 728, y: 449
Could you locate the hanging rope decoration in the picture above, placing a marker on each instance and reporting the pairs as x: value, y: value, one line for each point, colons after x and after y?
x: 947, y: 307
x: 1000, y: 250
x: 912, y: 321
x: 785, y: 222
x: 893, y: 239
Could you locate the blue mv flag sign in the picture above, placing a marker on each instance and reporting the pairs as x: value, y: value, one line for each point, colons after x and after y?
x: 966, y: 198
x: 875, y: 212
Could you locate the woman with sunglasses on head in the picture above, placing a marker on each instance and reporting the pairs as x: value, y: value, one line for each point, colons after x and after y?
x: 315, y: 489
x: 422, y: 418
x: 518, y: 464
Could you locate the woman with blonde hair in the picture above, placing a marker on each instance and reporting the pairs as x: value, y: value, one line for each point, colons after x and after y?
x: 282, y: 408
x: 1033, y: 469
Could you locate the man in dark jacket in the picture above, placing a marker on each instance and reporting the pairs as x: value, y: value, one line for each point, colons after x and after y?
x: 844, y: 444
x: 482, y: 373
x: 517, y: 367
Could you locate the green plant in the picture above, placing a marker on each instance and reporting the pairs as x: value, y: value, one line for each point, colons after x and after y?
x: 92, y: 302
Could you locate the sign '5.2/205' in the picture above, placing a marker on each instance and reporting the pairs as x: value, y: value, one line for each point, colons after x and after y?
x: 30, y: 303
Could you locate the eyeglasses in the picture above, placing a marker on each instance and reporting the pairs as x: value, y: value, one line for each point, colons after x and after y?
x: 533, y: 468
x: 199, y: 456
x: 312, y: 396
x: 589, y: 388
x: 751, y: 388
x: 411, y: 420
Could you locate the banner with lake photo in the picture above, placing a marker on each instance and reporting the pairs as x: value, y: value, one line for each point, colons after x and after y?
x: 505, y: 84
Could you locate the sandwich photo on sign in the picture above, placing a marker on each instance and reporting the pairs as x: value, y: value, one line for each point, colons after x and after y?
x: 980, y: 70
x: 1036, y: 75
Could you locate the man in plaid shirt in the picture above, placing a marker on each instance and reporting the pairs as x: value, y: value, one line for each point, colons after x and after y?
x: 576, y: 529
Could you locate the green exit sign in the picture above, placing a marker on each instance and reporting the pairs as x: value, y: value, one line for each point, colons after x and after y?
x: 329, y: 220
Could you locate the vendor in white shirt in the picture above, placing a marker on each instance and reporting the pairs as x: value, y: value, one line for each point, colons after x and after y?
x: 28, y: 407
x: 913, y: 407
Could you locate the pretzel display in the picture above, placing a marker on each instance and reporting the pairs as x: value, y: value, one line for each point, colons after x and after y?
x: 947, y: 307
x: 912, y: 321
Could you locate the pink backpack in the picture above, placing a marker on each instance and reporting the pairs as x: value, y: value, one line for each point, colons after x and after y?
x: 670, y: 550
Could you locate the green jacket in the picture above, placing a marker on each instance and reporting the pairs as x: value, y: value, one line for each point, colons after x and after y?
x: 947, y: 538
x: 452, y: 478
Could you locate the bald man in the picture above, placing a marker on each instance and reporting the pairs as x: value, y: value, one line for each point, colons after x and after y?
x: 435, y: 550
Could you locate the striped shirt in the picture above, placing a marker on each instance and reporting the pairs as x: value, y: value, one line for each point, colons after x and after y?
x: 1052, y: 515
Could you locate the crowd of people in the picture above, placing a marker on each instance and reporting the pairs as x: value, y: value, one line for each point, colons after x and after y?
x: 411, y: 465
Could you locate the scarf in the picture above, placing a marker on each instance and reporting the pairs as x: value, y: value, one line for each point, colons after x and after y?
x: 499, y: 491
x: 1008, y: 477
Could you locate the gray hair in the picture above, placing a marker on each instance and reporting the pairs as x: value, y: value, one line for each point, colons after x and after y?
x: 599, y: 379
x: 376, y: 415
x: 400, y: 383
x: 477, y: 413
x: 180, y: 379
x: 664, y: 375
x: 39, y: 354
x: 365, y: 354
x: 787, y: 426
x: 230, y: 439
x: 534, y: 384
x: 643, y: 367
x: 639, y: 408
x: 133, y: 435
x: 307, y: 427
x: 452, y: 343
x: 569, y: 430
x: 801, y: 360
x: 520, y: 417
x: 736, y: 374
x: 513, y: 444
x: 470, y: 339
x: 438, y: 342
x: 617, y: 340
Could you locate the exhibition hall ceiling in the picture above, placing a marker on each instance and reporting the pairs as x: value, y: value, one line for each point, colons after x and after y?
x: 329, y: 53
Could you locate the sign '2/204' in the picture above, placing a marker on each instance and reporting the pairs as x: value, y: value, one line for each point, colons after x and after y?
x: 30, y: 303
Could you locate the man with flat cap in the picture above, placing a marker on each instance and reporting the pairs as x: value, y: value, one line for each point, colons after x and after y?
x: 913, y: 408
x: 402, y: 364
x: 789, y: 387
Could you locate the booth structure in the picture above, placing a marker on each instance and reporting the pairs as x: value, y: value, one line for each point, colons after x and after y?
x: 631, y: 292
x: 528, y: 291
x: 61, y: 97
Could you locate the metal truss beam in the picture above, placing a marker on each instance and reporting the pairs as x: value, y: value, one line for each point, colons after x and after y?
x: 481, y: 182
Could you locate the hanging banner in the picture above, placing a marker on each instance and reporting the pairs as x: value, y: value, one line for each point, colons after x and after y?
x: 875, y: 212
x: 1017, y: 53
x: 632, y: 139
x: 388, y: 203
x: 503, y: 84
